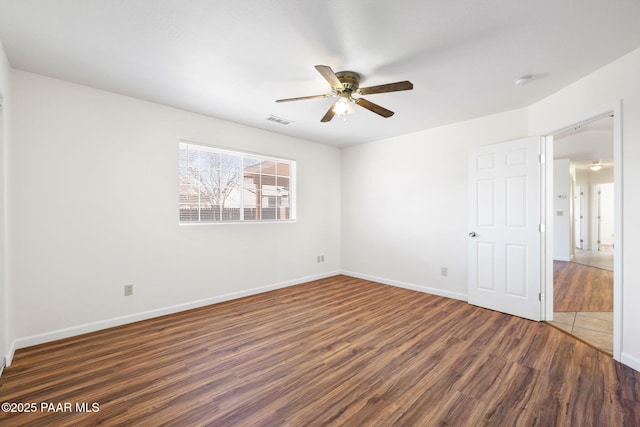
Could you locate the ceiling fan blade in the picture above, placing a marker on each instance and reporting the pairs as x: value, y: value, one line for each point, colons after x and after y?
x: 329, y: 114
x: 374, y: 107
x: 304, y: 97
x: 389, y: 87
x: 329, y: 76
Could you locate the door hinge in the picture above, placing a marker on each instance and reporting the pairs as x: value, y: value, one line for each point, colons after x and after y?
x: 541, y: 159
x: 541, y: 227
x: 539, y: 297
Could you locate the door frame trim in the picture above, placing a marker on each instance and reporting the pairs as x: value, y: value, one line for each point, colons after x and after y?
x: 618, y: 240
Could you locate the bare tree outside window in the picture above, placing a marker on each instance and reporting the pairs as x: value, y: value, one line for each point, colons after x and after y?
x: 218, y: 176
x: 218, y: 185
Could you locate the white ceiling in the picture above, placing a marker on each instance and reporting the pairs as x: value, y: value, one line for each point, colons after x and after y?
x: 232, y: 59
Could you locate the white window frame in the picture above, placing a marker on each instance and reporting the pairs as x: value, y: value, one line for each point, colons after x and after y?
x: 241, y: 155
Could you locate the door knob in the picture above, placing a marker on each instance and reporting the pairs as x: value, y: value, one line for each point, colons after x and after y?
x: 472, y: 234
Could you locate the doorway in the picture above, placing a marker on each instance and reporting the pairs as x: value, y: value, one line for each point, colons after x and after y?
x: 583, y: 236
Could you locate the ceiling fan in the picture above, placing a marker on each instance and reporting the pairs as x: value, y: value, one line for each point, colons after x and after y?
x: 345, y: 84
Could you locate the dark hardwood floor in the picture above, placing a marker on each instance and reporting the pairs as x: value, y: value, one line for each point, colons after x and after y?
x: 579, y: 287
x: 337, y: 351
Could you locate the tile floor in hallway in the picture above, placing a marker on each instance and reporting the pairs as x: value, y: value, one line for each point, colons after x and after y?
x: 594, y: 327
x: 600, y: 259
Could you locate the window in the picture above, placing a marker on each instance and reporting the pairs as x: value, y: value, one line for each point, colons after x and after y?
x: 219, y: 185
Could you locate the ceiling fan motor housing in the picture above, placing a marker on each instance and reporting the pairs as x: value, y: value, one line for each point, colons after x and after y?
x: 350, y: 80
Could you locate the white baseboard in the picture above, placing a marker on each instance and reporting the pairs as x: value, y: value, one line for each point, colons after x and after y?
x: 9, y: 357
x: 135, y: 317
x: 6, y: 359
x: 630, y: 361
x: 561, y: 258
x: 410, y: 286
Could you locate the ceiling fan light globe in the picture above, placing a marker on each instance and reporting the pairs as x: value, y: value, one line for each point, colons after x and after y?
x: 341, y: 107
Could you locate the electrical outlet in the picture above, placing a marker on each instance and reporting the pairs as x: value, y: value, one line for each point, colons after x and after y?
x: 320, y: 258
x: 128, y: 290
x: 443, y: 271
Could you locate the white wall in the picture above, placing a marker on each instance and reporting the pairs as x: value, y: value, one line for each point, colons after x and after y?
x: 5, y: 334
x: 404, y: 204
x: 94, y: 206
x: 562, y: 241
x: 600, y: 90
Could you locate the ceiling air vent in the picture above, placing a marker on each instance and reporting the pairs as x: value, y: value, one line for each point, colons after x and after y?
x: 279, y: 120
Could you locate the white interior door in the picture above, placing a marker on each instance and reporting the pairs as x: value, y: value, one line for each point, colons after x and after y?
x: 504, y: 227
